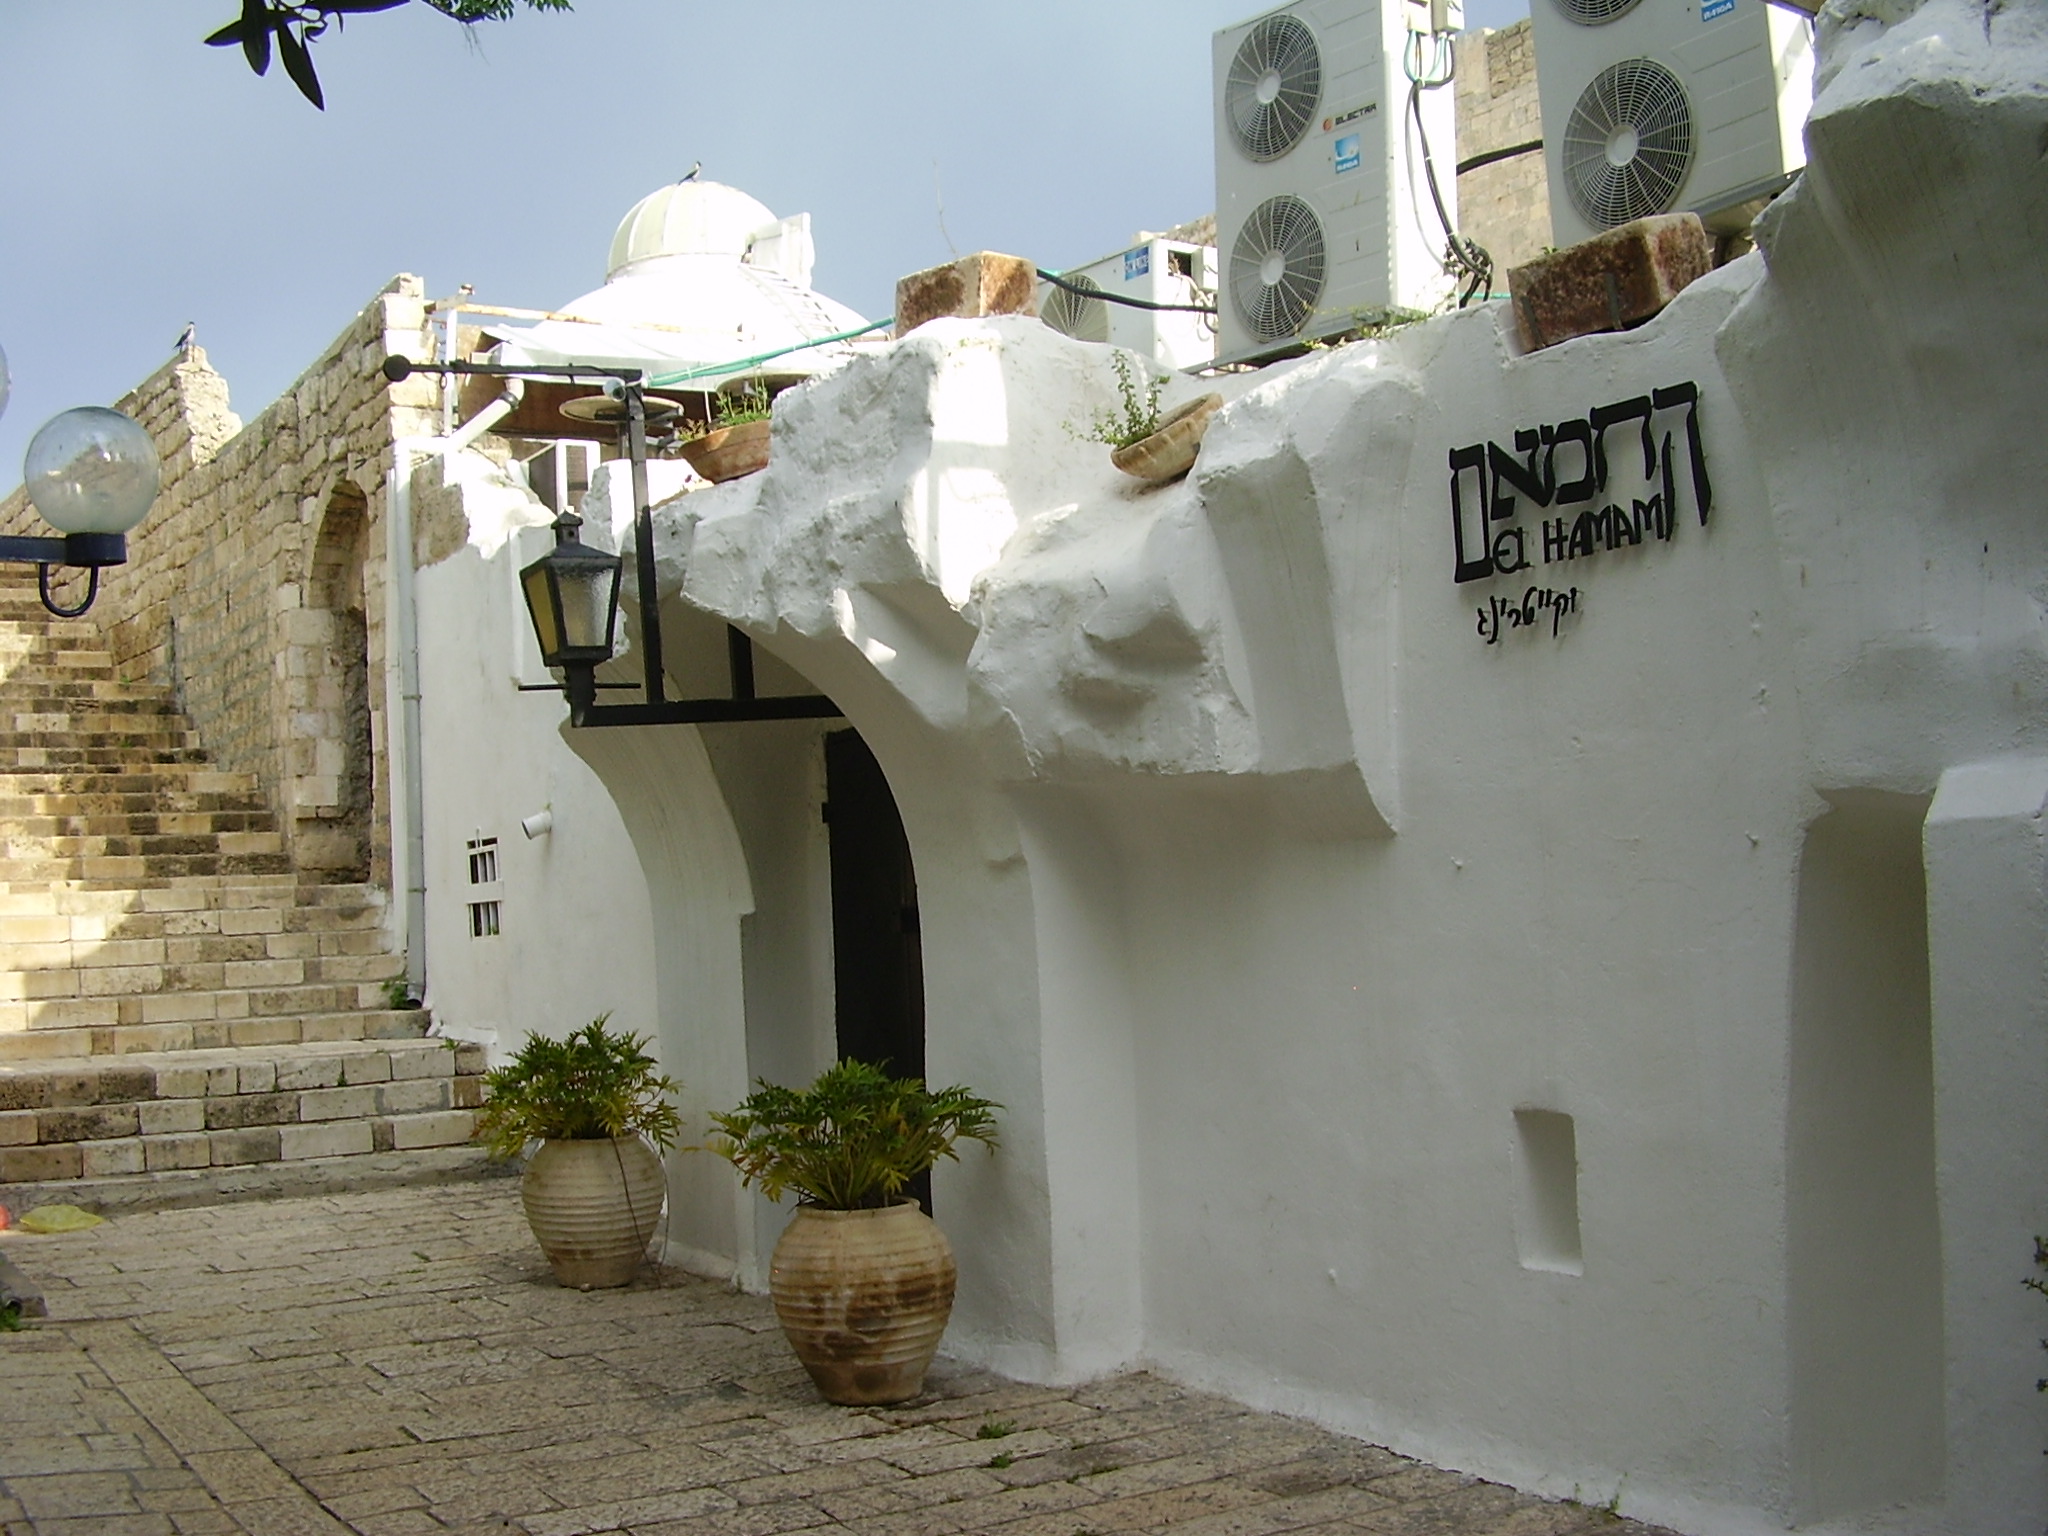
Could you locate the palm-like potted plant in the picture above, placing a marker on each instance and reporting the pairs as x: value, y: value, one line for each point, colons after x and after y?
x: 593, y: 1191
x: 862, y: 1278
x: 734, y: 441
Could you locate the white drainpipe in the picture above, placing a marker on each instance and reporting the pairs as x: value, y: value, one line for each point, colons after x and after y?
x: 407, y: 452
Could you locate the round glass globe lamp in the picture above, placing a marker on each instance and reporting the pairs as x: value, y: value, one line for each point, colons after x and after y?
x: 91, y: 470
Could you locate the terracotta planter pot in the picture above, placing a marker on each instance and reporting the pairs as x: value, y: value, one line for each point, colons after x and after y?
x: 730, y: 452
x: 863, y: 1297
x: 1170, y: 452
x: 593, y: 1206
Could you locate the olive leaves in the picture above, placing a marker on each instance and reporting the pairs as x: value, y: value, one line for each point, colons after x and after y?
x: 293, y: 26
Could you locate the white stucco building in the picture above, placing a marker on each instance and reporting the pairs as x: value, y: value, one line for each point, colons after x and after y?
x: 1508, y: 910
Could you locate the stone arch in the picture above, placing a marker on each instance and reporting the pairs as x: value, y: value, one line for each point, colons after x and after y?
x: 332, y: 749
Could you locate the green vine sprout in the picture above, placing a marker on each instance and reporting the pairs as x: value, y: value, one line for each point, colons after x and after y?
x: 592, y: 1086
x: 735, y: 408
x: 1137, y: 416
x: 851, y: 1140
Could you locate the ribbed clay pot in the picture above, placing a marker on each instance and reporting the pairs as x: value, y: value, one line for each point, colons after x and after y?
x: 593, y: 1206
x: 730, y: 452
x: 863, y: 1297
x: 1169, y: 452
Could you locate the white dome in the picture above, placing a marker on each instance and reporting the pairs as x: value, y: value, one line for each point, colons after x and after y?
x: 688, y: 218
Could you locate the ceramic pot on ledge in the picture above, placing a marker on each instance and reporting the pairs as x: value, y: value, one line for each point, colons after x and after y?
x: 1169, y: 452
x: 730, y: 452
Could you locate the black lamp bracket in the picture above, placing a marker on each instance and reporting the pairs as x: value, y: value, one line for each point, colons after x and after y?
x: 580, y: 683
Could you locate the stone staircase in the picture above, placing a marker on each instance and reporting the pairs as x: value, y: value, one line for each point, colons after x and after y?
x: 175, y: 1003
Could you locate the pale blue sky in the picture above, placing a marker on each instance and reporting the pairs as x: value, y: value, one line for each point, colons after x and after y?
x: 146, y: 181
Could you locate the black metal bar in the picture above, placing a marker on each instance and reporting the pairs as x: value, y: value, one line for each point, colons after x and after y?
x: 398, y: 368
x: 1509, y: 152
x: 739, y: 655
x: 81, y: 549
x: 709, y: 711
x: 557, y: 687
x: 643, y: 548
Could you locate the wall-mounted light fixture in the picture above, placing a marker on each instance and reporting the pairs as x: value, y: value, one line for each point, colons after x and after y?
x: 572, y: 591
x: 539, y: 824
x: 92, y: 473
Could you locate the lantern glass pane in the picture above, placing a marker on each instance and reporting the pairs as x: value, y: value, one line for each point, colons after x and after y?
x: 587, y: 605
x: 540, y: 603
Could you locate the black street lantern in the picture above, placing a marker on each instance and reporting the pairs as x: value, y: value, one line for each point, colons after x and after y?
x: 572, y: 593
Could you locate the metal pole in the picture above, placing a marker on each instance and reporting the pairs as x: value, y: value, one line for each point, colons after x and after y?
x: 643, y: 545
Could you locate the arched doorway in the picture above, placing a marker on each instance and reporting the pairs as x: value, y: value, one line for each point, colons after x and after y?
x: 877, y: 955
x: 333, y: 750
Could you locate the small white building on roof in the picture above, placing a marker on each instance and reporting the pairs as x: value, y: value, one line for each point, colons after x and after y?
x: 700, y: 276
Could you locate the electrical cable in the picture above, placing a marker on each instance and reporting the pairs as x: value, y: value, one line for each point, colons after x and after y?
x: 1117, y: 298
x: 669, y: 380
x: 1465, y: 259
x: 1493, y: 156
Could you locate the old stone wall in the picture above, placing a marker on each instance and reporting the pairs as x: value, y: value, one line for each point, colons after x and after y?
x: 256, y: 586
x: 1505, y: 206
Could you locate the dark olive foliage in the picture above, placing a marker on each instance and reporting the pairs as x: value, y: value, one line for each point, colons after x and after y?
x: 295, y: 25
x: 590, y: 1087
x: 851, y: 1140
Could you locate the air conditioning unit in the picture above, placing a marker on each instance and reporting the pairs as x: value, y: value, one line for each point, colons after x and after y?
x: 1159, y: 271
x: 1323, y: 217
x: 1662, y: 106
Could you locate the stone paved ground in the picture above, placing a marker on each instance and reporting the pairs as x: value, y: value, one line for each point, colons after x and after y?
x: 400, y: 1362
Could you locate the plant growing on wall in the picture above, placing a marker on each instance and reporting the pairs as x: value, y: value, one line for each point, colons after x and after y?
x: 298, y: 24
x: 1137, y: 414
x: 735, y: 408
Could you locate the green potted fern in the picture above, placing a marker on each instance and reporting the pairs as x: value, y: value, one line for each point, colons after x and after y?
x: 593, y: 1189
x: 862, y: 1278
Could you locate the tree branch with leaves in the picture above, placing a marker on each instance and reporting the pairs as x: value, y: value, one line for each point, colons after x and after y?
x: 295, y: 25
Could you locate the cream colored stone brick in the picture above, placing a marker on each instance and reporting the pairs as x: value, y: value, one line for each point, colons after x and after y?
x: 443, y: 1129
x: 340, y: 1138
x: 186, y: 1150
x: 102, y: 1159
x: 17, y: 1128
x: 165, y: 1117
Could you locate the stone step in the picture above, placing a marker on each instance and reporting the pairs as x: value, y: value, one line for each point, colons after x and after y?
x: 133, y: 760
x: 146, y: 1111
x: 128, y: 972
x: 134, y: 872
x: 192, y: 893
x: 49, y: 1042
x: 154, y: 822
x: 336, y: 930
x: 23, y: 692
x: 177, y: 994
x: 27, y: 809
x: 188, y: 955
x: 120, y: 1194
x: 18, y: 842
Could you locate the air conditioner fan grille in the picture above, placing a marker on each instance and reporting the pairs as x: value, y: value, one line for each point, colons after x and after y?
x: 1591, y: 13
x: 1274, y: 86
x: 1629, y: 145
x: 1076, y: 315
x: 1276, y: 268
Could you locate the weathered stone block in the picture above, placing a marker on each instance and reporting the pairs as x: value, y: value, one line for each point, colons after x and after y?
x: 166, y: 1117
x: 18, y: 1128
x: 96, y: 1122
x: 247, y: 1109
x: 446, y: 1129
x: 337, y: 1103
x: 104, y: 1159
x: 982, y: 284
x: 415, y: 1097
x: 29, y: 1165
x: 182, y: 1151
x: 340, y: 1138
x: 234, y: 1148
x: 439, y: 1062
x: 1609, y: 283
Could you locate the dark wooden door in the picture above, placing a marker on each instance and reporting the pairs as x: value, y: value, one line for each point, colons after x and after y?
x: 877, y: 960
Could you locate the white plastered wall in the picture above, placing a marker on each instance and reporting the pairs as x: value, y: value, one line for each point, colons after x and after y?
x: 1268, y: 871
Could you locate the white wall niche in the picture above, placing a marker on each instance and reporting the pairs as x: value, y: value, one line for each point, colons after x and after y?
x: 1547, y: 1192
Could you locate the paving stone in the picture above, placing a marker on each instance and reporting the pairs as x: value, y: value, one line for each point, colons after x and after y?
x: 405, y: 1356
